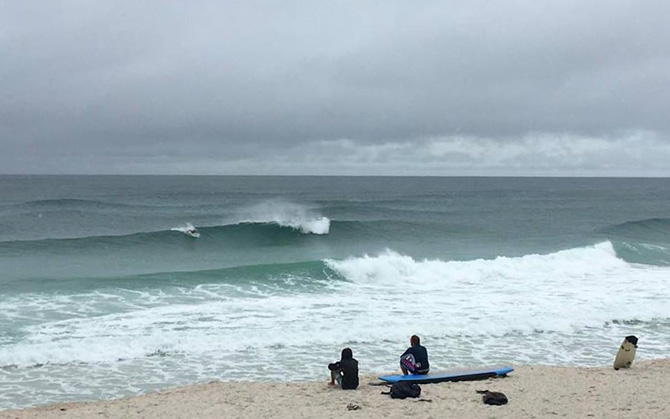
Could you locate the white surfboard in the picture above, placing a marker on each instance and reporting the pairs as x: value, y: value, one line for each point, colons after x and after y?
x: 624, y: 358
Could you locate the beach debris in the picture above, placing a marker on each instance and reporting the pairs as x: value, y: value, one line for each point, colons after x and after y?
x: 353, y: 406
x: 494, y: 398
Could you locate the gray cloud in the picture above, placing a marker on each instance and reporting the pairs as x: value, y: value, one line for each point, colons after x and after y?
x: 265, y: 87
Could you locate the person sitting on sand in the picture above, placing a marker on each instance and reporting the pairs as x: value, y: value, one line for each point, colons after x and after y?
x: 345, y: 372
x: 415, y: 358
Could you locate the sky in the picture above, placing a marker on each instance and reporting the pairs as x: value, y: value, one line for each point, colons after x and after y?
x: 453, y: 88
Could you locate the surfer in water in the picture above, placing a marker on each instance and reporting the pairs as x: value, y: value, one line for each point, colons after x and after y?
x: 345, y: 372
x: 415, y: 358
x: 192, y: 232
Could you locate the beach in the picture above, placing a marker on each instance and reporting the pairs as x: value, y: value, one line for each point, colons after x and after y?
x: 642, y: 391
x: 203, y: 209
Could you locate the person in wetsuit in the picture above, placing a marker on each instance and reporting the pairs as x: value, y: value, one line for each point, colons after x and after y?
x: 345, y: 372
x: 415, y: 358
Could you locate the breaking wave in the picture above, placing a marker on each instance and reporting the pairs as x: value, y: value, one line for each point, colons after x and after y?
x: 643, y: 241
x: 286, y: 214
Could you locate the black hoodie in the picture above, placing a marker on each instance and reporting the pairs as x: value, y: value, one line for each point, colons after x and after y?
x: 349, y: 369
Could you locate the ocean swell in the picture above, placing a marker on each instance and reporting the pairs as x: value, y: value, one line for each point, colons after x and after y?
x: 286, y: 214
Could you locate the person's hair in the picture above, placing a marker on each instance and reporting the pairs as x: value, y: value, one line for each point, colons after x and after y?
x: 347, y: 353
x: 415, y: 340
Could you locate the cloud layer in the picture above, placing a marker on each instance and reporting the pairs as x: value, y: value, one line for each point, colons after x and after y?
x: 489, y: 88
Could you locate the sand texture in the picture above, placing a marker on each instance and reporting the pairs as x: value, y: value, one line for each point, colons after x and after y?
x: 533, y: 391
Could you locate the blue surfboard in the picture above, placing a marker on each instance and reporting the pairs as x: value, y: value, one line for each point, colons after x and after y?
x: 452, y: 375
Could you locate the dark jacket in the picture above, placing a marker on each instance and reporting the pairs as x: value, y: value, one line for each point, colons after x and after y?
x: 420, y: 357
x: 349, y: 369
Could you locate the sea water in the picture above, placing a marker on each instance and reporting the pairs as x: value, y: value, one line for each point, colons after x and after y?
x: 102, y: 294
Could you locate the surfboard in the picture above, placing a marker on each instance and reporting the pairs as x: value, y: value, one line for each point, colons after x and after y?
x: 451, y: 375
x: 626, y: 354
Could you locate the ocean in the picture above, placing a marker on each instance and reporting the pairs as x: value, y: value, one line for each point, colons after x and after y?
x: 103, y: 294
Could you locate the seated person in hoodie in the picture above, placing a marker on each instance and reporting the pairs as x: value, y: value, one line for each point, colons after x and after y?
x: 345, y: 372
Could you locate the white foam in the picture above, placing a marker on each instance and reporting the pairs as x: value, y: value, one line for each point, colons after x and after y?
x: 187, y: 229
x: 561, y: 291
x: 393, y: 267
x: 468, y: 312
x: 557, y: 292
x: 319, y: 226
x: 287, y: 214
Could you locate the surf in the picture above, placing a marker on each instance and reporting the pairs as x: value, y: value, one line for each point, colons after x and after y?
x: 511, y: 309
x: 641, y: 241
x: 315, y: 227
x: 286, y: 214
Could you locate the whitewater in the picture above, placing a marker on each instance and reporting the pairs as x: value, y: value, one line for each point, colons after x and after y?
x: 104, y: 295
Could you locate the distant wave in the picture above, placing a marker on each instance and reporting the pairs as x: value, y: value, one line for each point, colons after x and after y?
x: 69, y: 203
x: 320, y: 226
x: 287, y: 214
x: 245, y: 230
x: 643, y: 241
x: 650, y: 225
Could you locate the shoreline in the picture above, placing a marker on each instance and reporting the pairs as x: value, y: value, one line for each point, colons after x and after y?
x: 533, y: 392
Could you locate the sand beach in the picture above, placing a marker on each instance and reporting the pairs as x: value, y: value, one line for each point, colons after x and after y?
x: 533, y: 391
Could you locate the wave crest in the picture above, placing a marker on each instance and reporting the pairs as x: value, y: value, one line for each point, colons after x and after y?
x: 391, y: 267
x: 286, y: 214
x: 187, y: 229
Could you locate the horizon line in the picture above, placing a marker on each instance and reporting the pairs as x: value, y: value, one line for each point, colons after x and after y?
x: 332, y: 175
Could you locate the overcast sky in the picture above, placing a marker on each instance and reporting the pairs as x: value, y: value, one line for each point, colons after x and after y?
x: 335, y: 87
